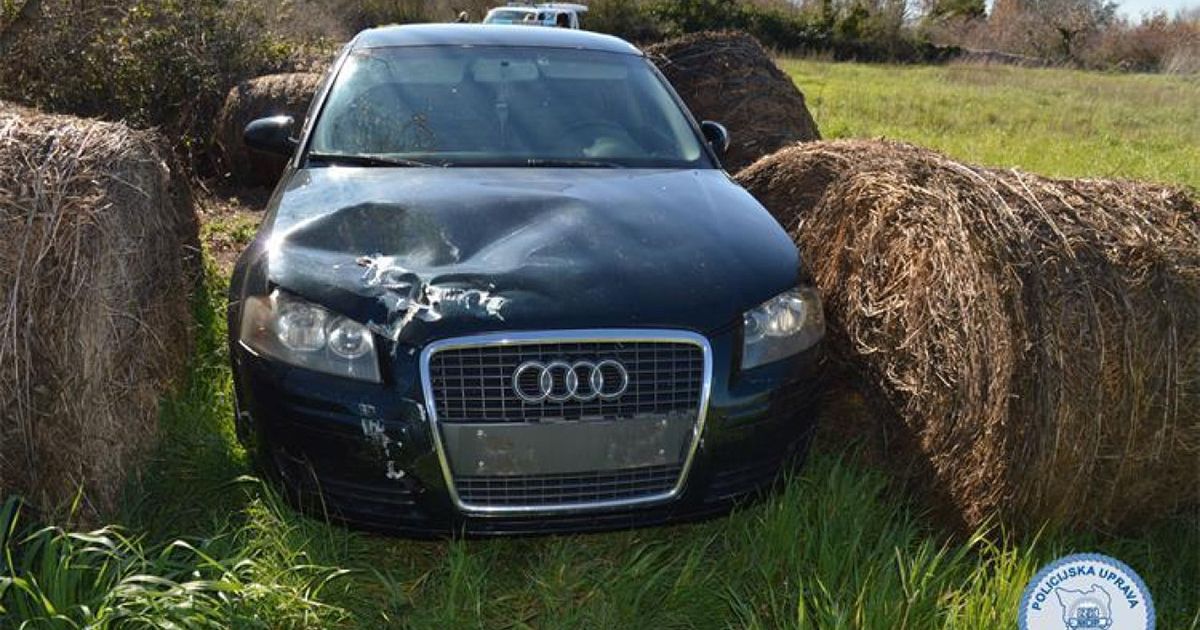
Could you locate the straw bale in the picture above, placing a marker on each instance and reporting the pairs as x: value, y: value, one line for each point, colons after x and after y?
x: 728, y: 77
x: 1031, y: 344
x: 271, y: 95
x: 98, y: 259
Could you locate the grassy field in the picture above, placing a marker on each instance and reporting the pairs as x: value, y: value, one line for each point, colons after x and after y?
x: 834, y: 548
x: 1049, y: 121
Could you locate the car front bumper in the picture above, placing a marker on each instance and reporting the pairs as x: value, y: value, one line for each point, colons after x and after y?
x: 365, y: 454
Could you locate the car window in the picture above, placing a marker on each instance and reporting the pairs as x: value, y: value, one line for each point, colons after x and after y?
x: 505, y: 106
x: 506, y: 17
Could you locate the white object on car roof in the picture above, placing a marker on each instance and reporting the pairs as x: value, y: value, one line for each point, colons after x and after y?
x: 560, y: 14
x: 564, y: 6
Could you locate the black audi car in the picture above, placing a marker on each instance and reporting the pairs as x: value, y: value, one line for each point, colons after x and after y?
x: 505, y: 286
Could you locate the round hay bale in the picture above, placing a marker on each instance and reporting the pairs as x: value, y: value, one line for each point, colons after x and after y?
x: 272, y: 95
x: 1033, y: 343
x: 728, y: 77
x: 98, y: 259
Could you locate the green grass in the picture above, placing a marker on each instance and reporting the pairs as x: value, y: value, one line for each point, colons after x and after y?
x: 1049, y: 121
x: 834, y: 548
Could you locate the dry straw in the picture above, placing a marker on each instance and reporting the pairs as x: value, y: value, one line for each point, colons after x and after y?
x: 271, y: 95
x: 728, y: 77
x: 1032, y: 345
x: 97, y: 262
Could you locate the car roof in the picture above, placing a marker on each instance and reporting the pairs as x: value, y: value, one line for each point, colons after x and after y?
x: 530, y: 8
x: 489, y: 35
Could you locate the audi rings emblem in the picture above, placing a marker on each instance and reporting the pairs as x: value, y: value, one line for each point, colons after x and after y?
x: 559, y: 381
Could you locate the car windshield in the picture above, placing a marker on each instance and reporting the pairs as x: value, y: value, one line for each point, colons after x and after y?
x: 504, y: 106
x: 507, y: 17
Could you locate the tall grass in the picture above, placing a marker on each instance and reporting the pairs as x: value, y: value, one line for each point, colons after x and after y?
x: 188, y: 556
x: 110, y: 578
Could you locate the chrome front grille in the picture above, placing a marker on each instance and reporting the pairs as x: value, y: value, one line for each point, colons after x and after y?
x: 475, y: 384
x: 565, y: 489
x: 502, y: 453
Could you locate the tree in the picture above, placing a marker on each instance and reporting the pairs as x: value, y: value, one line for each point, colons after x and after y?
x: 1072, y: 20
x: 945, y: 9
x: 1049, y: 28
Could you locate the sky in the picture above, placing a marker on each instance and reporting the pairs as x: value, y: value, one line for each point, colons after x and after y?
x: 1135, y: 8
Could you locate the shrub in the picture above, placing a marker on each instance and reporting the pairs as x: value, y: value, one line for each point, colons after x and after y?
x: 361, y: 14
x: 1184, y: 59
x: 866, y: 30
x: 165, y: 63
x: 1084, y: 33
x: 631, y: 20
x: 1148, y: 46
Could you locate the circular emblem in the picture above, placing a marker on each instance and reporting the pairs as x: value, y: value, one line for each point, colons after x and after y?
x: 1085, y: 591
x: 559, y: 381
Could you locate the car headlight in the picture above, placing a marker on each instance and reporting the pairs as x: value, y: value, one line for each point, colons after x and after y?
x: 297, y: 332
x: 782, y: 326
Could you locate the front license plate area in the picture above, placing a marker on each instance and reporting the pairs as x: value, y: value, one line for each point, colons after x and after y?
x: 542, y: 448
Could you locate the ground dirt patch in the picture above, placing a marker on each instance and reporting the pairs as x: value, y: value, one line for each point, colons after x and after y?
x: 229, y: 218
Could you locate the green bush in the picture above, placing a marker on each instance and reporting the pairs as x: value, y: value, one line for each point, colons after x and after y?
x: 868, y: 30
x: 361, y: 14
x: 628, y: 19
x: 163, y: 63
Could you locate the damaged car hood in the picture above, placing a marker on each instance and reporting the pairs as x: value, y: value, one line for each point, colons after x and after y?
x: 425, y: 253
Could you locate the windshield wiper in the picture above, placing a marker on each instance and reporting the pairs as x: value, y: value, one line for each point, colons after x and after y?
x: 569, y: 163
x: 365, y: 159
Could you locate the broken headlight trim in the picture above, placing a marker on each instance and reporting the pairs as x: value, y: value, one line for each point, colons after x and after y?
x: 784, y: 325
x: 297, y: 332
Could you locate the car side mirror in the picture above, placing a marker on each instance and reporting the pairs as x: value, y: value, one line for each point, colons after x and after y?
x: 271, y: 135
x: 717, y: 136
